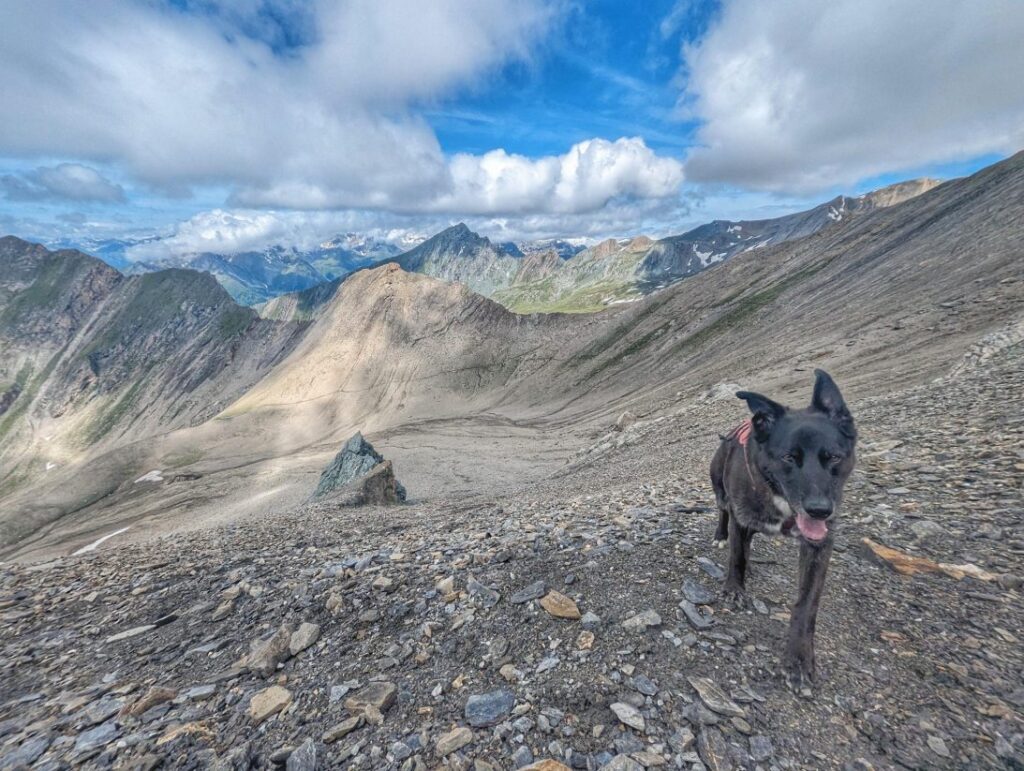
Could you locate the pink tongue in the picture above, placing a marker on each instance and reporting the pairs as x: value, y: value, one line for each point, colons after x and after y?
x: 812, y: 529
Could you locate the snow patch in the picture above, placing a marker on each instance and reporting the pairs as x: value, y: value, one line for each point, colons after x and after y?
x: 156, y: 475
x: 98, y: 541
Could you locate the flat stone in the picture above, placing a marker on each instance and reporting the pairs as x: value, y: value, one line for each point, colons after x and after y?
x: 133, y: 632
x: 532, y: 592
x: 488, y: 596
x: 453, y: 740
x: 487, y: 709
x: 697, y: 593
x: 761, y: 748
x: 342, y: 729
x: 714, y: 698
x: 647, y: 618
x: 693, y: 614
x: 265, y: 655
x: 97, y: 737
x: 938, y: 746
x: 622, y: 763
x: 645, y: 685
x: 379, y: 695
x: 591, y: 621
x: 711, y: 567
x: 629, y: 715
x: 26, y: 753
x: 201, y: 692
x: 713, y: 750
x: 560, y: 606
x: 268, y: 702
x: 304, y: 758
x: 547, y: 765
x: 303, y: 637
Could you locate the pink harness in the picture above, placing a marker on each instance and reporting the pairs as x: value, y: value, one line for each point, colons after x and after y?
x: 742, y: 435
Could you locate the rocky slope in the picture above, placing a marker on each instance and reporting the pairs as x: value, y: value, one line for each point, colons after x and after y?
x: 93, y: 359
x: 571, y: 624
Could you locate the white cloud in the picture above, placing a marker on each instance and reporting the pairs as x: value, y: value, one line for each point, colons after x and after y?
x: 586, y: 178
x: 65, y: 181
x: 800, y: 95
x: 220, y: 97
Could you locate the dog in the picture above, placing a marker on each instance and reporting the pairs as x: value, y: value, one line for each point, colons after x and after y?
x: 783, y: 471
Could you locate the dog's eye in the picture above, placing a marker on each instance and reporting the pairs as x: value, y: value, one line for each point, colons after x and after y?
x: 791, y: 458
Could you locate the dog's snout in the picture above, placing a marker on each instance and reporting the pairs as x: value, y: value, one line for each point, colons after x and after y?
x: 818, y: 508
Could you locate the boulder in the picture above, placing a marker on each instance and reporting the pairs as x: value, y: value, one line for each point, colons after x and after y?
x: 359, y: 475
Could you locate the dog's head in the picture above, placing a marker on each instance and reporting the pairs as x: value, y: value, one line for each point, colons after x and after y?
x: 806, y: 455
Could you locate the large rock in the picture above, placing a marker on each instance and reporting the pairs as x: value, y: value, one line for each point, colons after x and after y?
x: 359, y: 475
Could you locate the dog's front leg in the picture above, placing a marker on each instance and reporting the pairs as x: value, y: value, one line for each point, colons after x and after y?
x: 799, y: 659
x: 734, y: 590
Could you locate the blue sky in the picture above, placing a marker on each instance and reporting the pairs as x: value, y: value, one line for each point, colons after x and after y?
x: 201, y: 124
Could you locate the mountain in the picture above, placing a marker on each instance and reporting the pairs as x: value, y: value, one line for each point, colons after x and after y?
x: 92, y: 356
x: 459, y: 254
x: 251, y: 408
x: 185, y: 552
x: 563, y: 247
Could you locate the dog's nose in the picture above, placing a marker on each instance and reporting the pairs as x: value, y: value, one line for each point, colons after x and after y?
x: 818, y: 508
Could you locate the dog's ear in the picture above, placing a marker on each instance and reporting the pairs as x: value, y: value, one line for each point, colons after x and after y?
x: 829, y: 400
x: 766, y: 413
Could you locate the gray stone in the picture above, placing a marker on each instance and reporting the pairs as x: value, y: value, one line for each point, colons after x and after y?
x: 761, y: 748
x: 487, y: 709
x: 304, y: 758
x: 697, y: 619
x: 355, y: 461
x: 644, y: 685
x: 26, y: 753
x: 713, y: 750
x: 714, y: 698
x: 97, y: 737
x: 697, y: 593
x: 628, y: 715
x: 711, y: 567
x: 534, y: 591
x: 303, y: 637
x: 642, y: 620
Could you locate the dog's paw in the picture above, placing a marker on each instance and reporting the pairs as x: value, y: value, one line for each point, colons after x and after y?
x: 721, y: 543
x: 735, y: 597
x: 799, y: 674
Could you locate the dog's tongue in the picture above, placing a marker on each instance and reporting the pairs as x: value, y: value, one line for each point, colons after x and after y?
x: 811, y: 529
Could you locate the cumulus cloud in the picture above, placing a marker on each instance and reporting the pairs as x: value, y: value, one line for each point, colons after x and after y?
x: 65, y: 181
x: 800, y: 95
x: 323, y: 115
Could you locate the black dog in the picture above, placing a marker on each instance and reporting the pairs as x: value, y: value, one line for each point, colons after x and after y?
x: 783, y: 471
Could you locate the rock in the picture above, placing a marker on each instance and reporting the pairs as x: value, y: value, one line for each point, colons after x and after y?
x: 265, y: 655
x: 713, y: 750
x: 591, y: 621
x: 585, y: 640
x: 711, y: 567
x: 200, y: 692
x: 488, y: 596
x: 304, y: 758
x: 384, y: 584
x: 626, y: 419
x: 379, y: 695
x: 532, y: 592
x: 628, y: 715
x: 155, y: 695
x: 26, y: 753
x: 303, y: 637
x: 456, y: 739
x: 924, y: 529
x: 938, y: 746
x: 722, y: 391
x: 714, y: 698
x: 342, y: 729
x: 909, y: 565
x: 647, y: 618
x: 697, y: 593
x: 761, y: 748
x: 644, y: 685
x: 351, y: 471
x: 560, y: 606
x: 693, y: 614
x: 546, y: 765
x: 622, y: 763
x: 487, y: 709
x: 133, y: 632
x: 97, y: 737
x: 268, y: 702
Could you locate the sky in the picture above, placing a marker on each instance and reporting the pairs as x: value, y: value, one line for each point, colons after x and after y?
x: 209, y: 125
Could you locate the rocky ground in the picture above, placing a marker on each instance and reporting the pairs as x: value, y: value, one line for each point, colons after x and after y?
x: 575, y: 622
